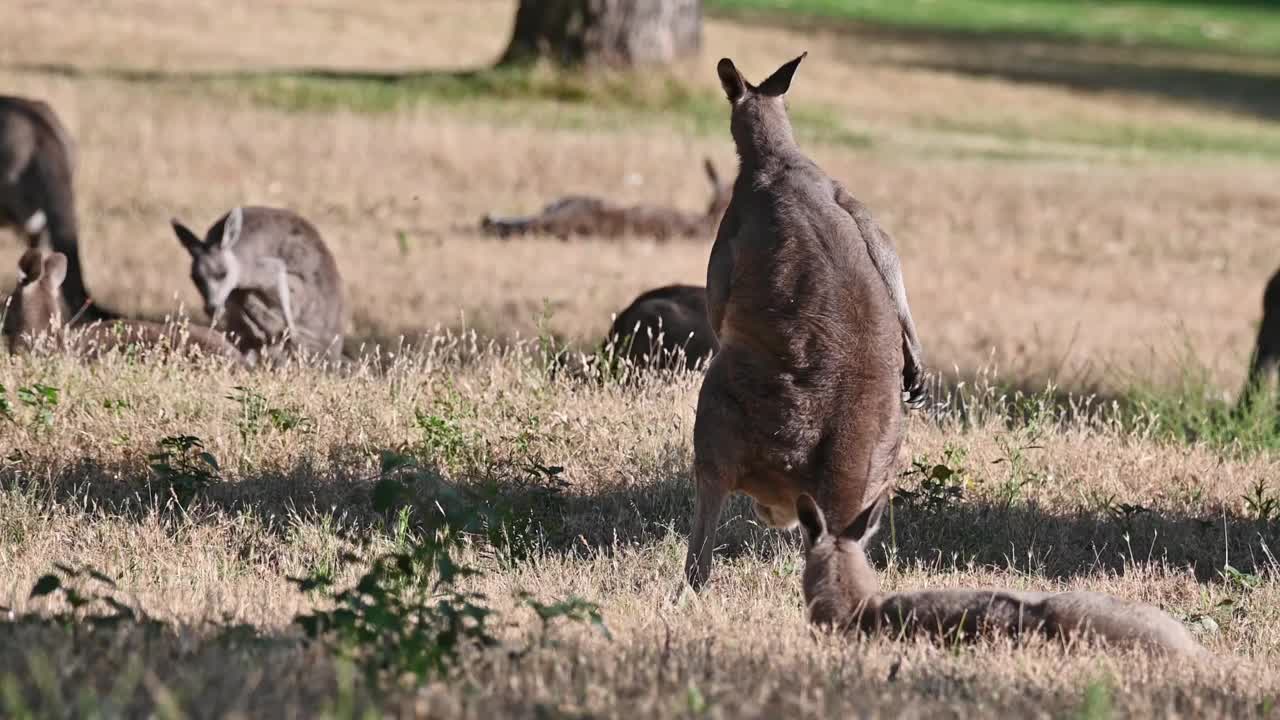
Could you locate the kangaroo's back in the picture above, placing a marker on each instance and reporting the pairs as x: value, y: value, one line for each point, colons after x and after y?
x: 676, y: 312
x: 1117, y: 621
x: 841, y: 590
x: 181, y: 339
x: 37, y: 168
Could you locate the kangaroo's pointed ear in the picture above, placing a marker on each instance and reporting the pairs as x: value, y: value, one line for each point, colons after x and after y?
x: 231, y: 228
x: 780, y: 81
x: 30, y: 265
x: 735, y: 86
x: 186, y: 237
x: 55, y: 271
x: 811, y: 520
x: 867, y: 523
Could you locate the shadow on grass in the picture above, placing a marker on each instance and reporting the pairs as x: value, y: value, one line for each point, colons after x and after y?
x: 644, y: 504
x: 1225, y: 80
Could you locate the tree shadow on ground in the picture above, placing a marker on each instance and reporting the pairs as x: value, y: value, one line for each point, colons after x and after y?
x: 1219, y: 78
x: 652, y: 500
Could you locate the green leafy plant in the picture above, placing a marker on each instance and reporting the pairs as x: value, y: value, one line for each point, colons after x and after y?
x: 939, y: 484
x: 257, y: 414
x: 183, y: 468
x: 1014, y: 449
x: 409, y: 615
x: 42, y: 400
x: 6, y: 408
x: 1261, y: 503
x: 91, y: 595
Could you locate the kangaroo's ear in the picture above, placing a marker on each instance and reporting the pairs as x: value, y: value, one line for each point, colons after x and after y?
x: 712, y: 175
x: 867, y: 523
x: 231, y: 228
x: 780, y: 81
x: 811, y: 520
x: 55, y: 271
x: 30, y: 266
x: 735, y: 86
x: 186, y: 237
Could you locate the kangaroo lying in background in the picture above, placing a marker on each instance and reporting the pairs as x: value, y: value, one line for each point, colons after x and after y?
x: 841, y: 591
x: 586, y: 215
x: 37, y: 160
x: 806, y: 298
x: 1266, y: 350
x: 34, y: 315
x: 268, y: 274
x: 661, y: 324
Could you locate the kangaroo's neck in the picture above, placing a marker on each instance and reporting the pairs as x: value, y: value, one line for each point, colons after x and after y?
x: 766, y: 141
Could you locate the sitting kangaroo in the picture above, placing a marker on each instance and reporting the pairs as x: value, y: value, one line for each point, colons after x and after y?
x: 585, y: 215
x: 35, y: 312
x: 37, y: 160
x: 661, y: 324
x: 841, y: 591
x: 270, y: 275
x: 806, y: 298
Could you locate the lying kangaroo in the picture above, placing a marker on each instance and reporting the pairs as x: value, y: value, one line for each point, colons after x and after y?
x: 660, y: 324
x: 586, y: 215
x: 34, y: 314
x: 37, y: 160
x: 841, y: 591
x: 806, y: 298
x: 1266, y: 351
x: 270, y: 274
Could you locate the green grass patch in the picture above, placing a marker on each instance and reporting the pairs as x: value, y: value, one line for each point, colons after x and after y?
x: 1196, y: 411
x: 1164, y: 139
x: 1233, y: 27
x: 541, y: 96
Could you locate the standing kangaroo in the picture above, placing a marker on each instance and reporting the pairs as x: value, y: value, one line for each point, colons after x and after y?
x: 663, y: 324
x: 270, y: 275
x: 806, y: 298
x: 841, y: 591
x: 37, y: 161
x: 586, y: 215
x: 34, y: 313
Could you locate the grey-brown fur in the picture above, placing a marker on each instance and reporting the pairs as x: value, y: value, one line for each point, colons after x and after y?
x: 841, y: 591
x: 268, y: 276
x: 34, y: 317
x: 598, y: 217
x: 805, y: 297
x: 663, y: 326
x: 37, y: 162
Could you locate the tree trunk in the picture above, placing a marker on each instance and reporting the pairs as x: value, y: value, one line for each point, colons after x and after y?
x: 610, y: 32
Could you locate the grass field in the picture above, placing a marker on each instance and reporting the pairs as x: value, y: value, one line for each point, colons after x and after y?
x: 1104, y: 219
x: 1250, y: 27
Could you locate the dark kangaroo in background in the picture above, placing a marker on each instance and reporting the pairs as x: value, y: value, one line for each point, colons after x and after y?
x: 1266, y: 350
x: 805, y: 295
x: 34, y: 316
x: 665, y: 325
x: 841, y: 592
x: 37, y: 161
x: 597, y: 217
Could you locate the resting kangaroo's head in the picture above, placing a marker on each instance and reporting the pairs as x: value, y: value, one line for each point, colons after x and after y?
x: 215, y: 269
x: 838, y: 576
x: 759, y: 119
x: 35, y: 307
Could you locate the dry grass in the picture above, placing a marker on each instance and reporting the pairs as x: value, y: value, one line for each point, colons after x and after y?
x: 1087, y: 259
